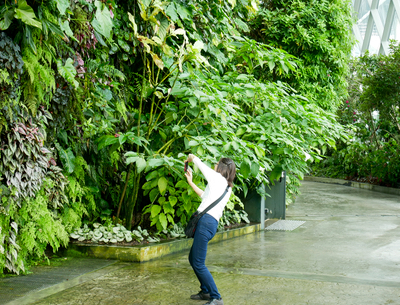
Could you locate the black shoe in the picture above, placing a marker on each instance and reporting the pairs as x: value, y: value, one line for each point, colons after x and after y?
x: 200, y: 296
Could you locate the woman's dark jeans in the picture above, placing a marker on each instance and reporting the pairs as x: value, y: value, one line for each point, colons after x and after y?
x: 205, y: 231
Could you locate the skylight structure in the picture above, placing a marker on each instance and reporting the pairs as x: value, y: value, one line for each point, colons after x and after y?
x: 377, y: 23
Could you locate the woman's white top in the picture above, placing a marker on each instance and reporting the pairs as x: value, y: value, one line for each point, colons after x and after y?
x: 216, y: 186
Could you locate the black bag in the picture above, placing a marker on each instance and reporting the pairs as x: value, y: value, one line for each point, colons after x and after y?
x: 191, y: 226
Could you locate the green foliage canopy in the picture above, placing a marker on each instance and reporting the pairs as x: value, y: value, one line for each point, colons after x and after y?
x: 318, y: 33
x: 371, y: 116
x: 131, y: 87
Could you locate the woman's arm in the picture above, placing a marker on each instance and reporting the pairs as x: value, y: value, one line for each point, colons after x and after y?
x: 189, y: 177
x: 207, y: 172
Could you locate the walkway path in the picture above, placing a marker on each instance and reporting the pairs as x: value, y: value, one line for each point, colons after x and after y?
x: 347, y: 252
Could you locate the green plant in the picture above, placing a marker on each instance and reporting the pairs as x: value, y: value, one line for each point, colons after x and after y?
x: 34, y: 183
x: 371, y: 118
x: 39, y: 227
x: 168, y: 199
x: 234, y: 213
x: 28, y: 228
x: 232, y: 217
x: 26, y: 162
x: 319, y: 34
x: 175, y: 231
x: 18, y: 10
x: 100, y: 233
x: 133, y: 86
x: 140, y: 234
x: 11, y: 259
x: 11, y: 65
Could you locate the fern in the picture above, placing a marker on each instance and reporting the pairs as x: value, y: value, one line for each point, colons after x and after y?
x: 115, y: 158
x: 10, y: 247
x: 40, y: 227
x: 80, y: 166
x: 121, y: 108
x: 49, y: 54
x: 71, y: 217
x: 4, y: 99
x: 81, y: 197
x: 39, y: 78
x: 31, y: 101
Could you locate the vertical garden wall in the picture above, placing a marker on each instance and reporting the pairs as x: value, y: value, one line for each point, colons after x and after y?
x: 100, y: 102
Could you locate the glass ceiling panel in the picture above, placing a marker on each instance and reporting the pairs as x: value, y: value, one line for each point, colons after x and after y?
x: 362, y: 26
x: 356, y: 51
x: 383, y: 9
x: 364, y: 10
x: 395, y: 29
x: 375, y: 42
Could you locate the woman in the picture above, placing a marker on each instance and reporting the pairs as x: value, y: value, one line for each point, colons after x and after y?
x: 217, y: 181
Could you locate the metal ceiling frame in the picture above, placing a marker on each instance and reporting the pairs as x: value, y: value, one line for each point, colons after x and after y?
x: 383, y: 27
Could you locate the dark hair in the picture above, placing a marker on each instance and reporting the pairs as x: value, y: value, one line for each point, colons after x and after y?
x: 227, y: 168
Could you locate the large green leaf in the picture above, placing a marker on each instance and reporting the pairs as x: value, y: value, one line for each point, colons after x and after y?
x: 276, y: 173
x: 8, y: 16
x: 106, y: 140
x: 182, y: 184
x: 170, y: 219
x: 53, y: 28
x: 163, y: 220
x: 67, y: 30
x: 171, y: 11
x: 123, y: 44
x: 156, y: 162
x: 62, y: 135
x: 67, y: 158
x: 162, y: 185
x: 141, y: 164
x: 28, y: 39
x: 148, y: 185
x: 245, y: 168
x: 153, y: 194
x: 254, y: 169
x: 151, y: 175
x: 26, y: 14
x: 68, y: 71
x: 182, y: 11
x: 164, y: 27
x: 131, y: 157
x: 103, y: 22
x: 259, y: 152
x: 172, y: 200
x: 62, y: 6
x: 168, y: 209
x: 155, y: 210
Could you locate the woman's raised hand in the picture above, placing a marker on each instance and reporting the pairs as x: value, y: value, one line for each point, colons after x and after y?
x: 189, y: 176
x: 190, y: 158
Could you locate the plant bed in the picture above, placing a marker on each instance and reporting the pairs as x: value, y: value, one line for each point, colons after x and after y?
x: 146, y: 242
x: 141, y: 252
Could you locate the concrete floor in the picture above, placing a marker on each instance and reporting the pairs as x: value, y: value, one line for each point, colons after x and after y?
x: 347, y: 252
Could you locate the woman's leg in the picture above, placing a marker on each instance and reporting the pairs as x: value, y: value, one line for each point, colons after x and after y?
x: 205, y: 231
x: 202, y: 287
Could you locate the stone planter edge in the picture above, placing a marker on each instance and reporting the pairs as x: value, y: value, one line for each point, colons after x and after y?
x: 143, y: 253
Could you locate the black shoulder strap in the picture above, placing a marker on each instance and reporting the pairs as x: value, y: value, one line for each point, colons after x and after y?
x: 215, y: 202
